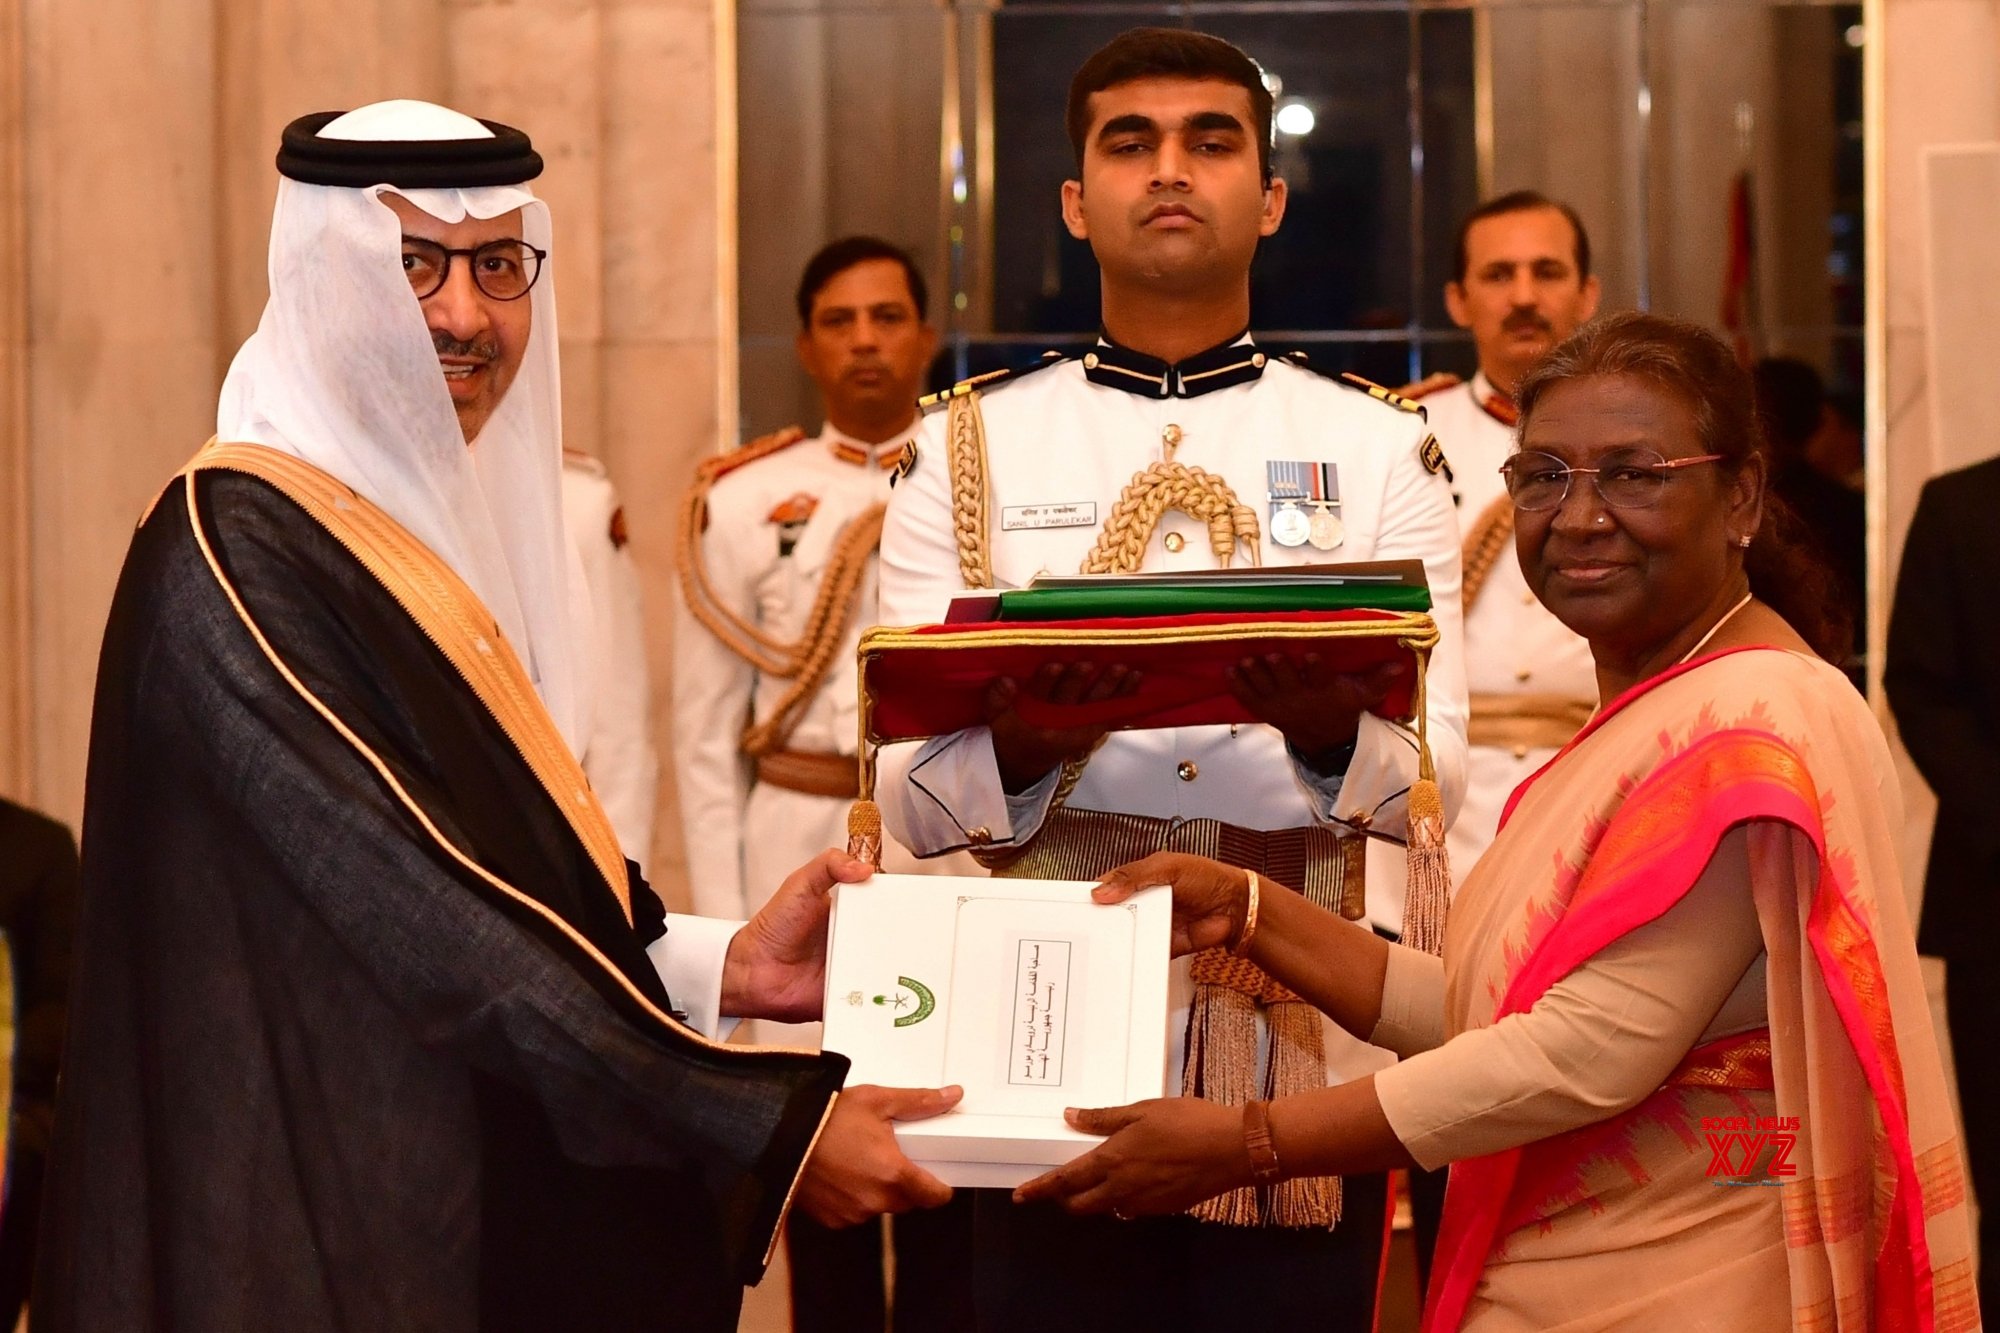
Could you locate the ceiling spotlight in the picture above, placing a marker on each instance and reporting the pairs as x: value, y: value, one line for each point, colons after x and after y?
x: 1295, y: 118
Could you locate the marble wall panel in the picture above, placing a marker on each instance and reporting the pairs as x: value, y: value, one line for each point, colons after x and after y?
x: 1574, y: 140
x: 278, y: 60
x: 660, y: 180
x: 16, y: 737
x: 122, y: 319
x: 536, y: 65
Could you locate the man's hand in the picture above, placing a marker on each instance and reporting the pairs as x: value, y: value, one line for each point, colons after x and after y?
x: 1163, y: 1156
x: 857, y: 1172
x: 1027, y: 753
x: 776, y: 964
x: 1318, y: 709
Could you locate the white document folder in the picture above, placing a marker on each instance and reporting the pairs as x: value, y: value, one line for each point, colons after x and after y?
x: 1024, y: 992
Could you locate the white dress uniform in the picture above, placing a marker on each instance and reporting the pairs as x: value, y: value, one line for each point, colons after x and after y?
x: 1062, y: 441
x: 618, y: 755
x: 772, y: 525
x: 1513, y: 647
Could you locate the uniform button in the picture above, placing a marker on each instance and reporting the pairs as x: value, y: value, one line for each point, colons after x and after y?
x: 1520, y: 752
x: 979, y: 837
x: 1187, y: 771
x: 1522, y: 675
x: 1090, y: 360
x: 1175, y: 542
x: 1171, y: 435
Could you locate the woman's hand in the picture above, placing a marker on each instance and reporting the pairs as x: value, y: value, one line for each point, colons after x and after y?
x: 1210, y: 898
x: 1163, y: 1156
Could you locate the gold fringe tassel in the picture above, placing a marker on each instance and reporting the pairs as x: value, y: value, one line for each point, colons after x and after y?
x: 864, y: 832
x: 1427, y: 894
x: 1222, y: 1067
x: 1298, y: 1064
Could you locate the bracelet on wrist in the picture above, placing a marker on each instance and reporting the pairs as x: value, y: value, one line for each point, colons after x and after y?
x: 1249, y: 929
x: 1264, y: 1168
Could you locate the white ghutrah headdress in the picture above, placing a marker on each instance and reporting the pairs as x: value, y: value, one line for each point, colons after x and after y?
x: 342, y: 373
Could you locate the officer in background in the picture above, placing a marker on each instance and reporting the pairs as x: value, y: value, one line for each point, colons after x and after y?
x: 1176, y: 402
x: 777, y: 563
x: 618, y: 755
x: 1524, y: 284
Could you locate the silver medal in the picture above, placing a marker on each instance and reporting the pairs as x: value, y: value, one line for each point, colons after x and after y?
x: 1290, y: 526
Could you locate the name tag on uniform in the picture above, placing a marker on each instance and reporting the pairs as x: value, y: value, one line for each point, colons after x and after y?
x: 1013, y: 518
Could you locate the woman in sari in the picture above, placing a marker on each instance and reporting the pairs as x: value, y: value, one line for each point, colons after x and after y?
x: 1677, y: 1048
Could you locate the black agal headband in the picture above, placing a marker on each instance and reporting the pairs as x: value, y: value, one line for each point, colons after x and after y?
x: 411, y: 164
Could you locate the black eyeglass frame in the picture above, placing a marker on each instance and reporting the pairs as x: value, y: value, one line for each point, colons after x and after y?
x: 472, y: 257
x: 1595, y: 474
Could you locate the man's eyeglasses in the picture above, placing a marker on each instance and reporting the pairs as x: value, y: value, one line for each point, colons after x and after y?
x: 505, y: 270
x: 1626, y: 479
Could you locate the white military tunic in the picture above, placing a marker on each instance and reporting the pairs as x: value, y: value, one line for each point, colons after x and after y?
x: 1055, y: 438
x: 618, y: 755
x: 772, y: 524
x: 1513, y: 646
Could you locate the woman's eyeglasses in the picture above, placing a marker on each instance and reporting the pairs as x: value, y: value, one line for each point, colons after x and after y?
x: 1626, y: 479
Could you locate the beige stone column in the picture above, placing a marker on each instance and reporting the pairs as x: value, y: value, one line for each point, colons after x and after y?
x: 122, y: 320
x: 281, y: 59
x: 662, y: 319
x: 16, y: 738
x: 1574, y: 138
x: 136, y: 140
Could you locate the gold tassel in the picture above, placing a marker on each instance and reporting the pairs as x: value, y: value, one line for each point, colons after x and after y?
x: 1298, y: 1064
x: 864, y: 832
x: 1222, y: 1067
x: 1427, y: 895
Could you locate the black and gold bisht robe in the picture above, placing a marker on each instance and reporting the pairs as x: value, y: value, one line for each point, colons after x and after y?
x: 364, y: 1036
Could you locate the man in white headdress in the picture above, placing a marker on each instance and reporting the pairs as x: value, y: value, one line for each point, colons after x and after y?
x: 375, y: 1026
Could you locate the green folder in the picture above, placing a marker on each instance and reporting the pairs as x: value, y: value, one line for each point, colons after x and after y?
x: 1397, y: 585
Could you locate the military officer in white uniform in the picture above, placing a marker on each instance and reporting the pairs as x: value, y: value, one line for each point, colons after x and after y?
x: 764, y: 708
x: 1171, y: 132
x: 618, y: 755
x: 773, y: 525
x: 1524, y: 284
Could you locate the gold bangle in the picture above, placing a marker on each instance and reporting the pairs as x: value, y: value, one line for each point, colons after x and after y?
x: 1264, y: 1168
x: 1242, y: 946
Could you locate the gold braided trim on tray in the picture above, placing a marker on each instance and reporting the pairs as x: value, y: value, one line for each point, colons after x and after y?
x: 1412, y: 629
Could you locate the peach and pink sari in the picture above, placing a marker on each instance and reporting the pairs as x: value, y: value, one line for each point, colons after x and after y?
x: 1804, y: 1176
